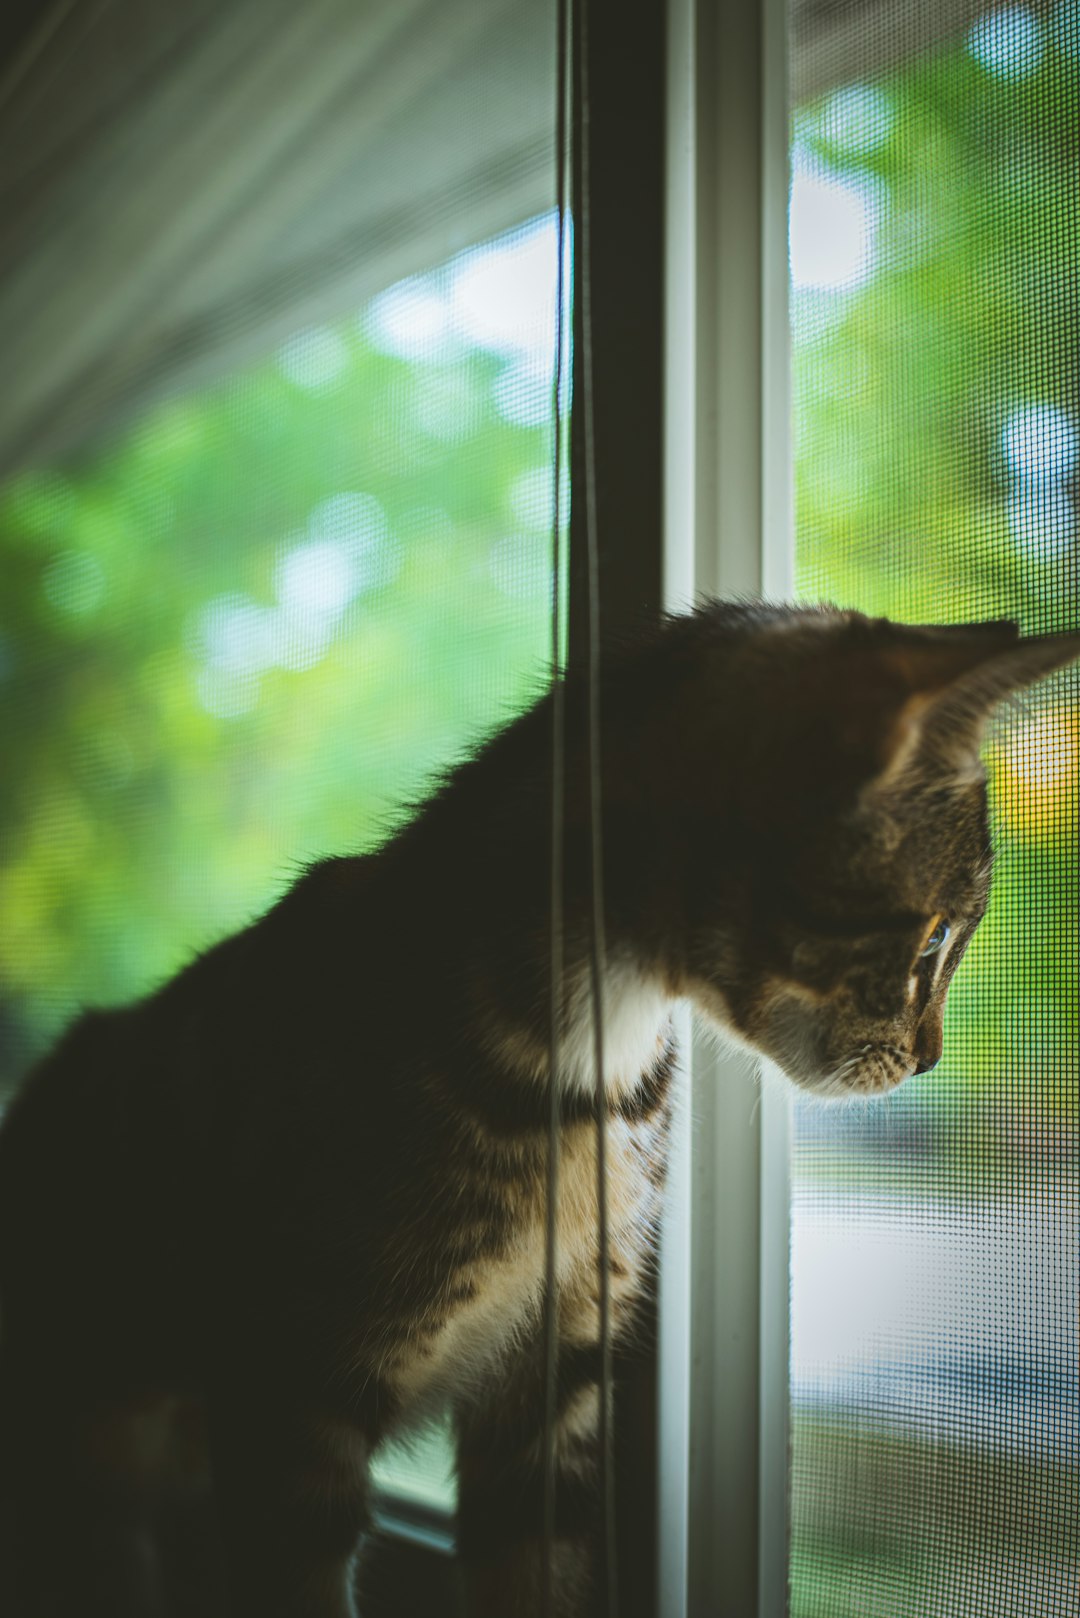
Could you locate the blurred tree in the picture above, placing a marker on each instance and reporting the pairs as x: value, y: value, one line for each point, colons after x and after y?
x: 935, y: 302
x: 246, y: 631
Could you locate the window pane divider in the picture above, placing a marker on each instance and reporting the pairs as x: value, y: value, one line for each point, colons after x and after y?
x: 724, y: 1318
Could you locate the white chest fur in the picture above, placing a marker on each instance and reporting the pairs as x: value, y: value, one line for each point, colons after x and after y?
x: 501, y: 1297
x: 503, y: 1307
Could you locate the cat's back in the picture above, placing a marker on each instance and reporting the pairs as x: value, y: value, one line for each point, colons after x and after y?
x: 112, y: 1151
x: 126, y: 1081
x: 89, y: 1172
x: 149, y: 1143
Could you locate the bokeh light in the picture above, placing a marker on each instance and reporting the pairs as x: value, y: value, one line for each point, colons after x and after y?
x: 1008, y: 42
x: 1037, y: 773
x: 74, y: 582
x: 315, y: 359
x: 833, y: 228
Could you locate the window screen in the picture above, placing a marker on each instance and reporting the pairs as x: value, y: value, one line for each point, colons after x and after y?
x: 935, y: 258
x: 276, y: 546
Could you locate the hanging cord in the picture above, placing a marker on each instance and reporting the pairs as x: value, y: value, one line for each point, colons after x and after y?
x: 598, y: 948
x: 558, y: 796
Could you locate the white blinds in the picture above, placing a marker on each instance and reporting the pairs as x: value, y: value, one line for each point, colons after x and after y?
x: 218, y: 172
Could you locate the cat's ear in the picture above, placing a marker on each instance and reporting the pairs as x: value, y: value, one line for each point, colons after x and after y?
x: 954, y: 676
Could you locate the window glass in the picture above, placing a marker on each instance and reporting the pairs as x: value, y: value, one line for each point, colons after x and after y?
x: 935, y: 243
x: 242, y: 632
x: 277, y: 310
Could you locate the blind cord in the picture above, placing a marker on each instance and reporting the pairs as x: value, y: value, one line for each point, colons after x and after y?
x: 558, y: 796
x: 578, y: 21
x: 597, y: 940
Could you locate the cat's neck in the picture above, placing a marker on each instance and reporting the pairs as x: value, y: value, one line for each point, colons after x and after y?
x: 476, y: 867
x: 636, y: 1016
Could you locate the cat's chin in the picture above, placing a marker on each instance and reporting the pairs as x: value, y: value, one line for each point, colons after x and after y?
x: 786, y: 1028
x: 873, y: 1072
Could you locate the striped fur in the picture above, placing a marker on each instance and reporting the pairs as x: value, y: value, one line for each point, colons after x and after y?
x: 293, y: 1203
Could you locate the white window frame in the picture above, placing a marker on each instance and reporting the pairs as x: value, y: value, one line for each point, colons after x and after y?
x: 724, y: 1289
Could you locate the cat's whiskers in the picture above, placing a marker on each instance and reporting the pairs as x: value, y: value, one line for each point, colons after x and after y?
x: 872, y: 1070
x: 841, y: 1071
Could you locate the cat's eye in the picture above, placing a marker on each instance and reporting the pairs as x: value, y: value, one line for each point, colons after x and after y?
x: 937, y: 940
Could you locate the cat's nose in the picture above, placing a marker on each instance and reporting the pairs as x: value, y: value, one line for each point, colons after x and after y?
x: 925, y: 1063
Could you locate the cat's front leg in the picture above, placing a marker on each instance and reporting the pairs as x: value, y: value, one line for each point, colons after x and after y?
x: 501, y: 1496
x: 290, y: 1478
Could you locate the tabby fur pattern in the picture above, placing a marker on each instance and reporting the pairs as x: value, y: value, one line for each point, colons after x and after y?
x: 294, y: 1201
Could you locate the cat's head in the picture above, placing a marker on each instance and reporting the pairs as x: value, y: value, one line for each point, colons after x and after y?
x: 865, y: 858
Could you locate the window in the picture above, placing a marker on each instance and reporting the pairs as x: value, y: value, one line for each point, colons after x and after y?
x: 934, y: 237
x: 918, y: 1454
x: 233, y: 632
x: 277, y: 305
x: 274, y: 512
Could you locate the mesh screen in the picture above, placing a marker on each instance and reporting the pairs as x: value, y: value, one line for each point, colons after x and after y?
x: 247, y: 625
x: 935, y: 240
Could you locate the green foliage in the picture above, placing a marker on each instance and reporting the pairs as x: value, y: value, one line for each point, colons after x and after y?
x: 153, y: 798
x: 927, y: 396
x: 910, y: 1525
x: 241, y: 634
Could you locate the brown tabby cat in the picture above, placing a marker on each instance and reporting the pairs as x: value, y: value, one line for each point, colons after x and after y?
x: 302, y: 1185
